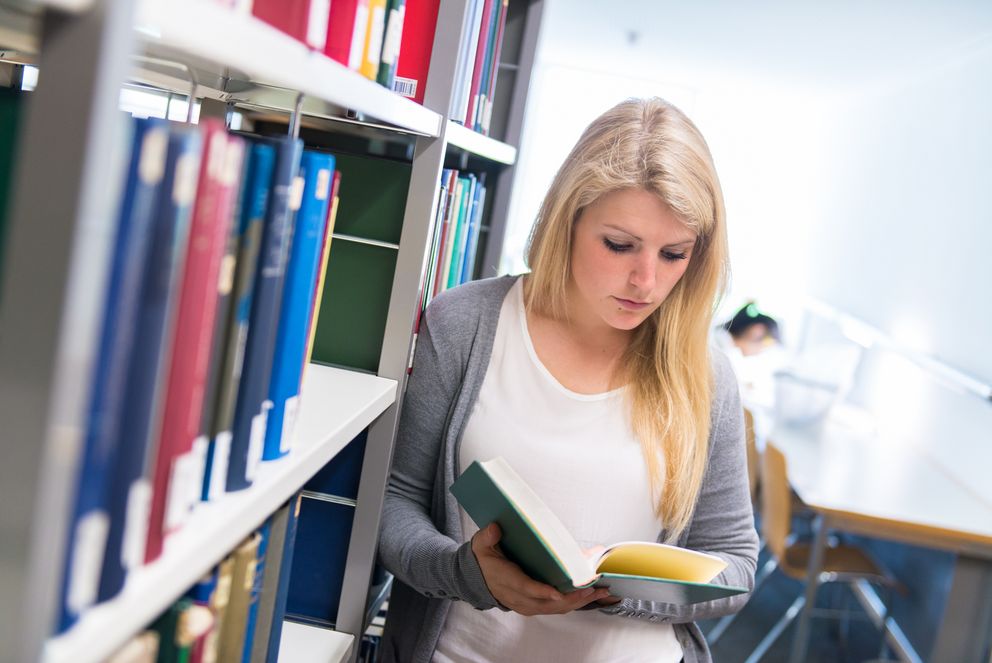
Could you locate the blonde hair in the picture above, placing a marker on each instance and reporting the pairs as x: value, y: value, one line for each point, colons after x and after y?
x: 649, y: 144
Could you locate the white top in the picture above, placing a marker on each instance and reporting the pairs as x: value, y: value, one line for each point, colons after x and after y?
x: 578, y: 453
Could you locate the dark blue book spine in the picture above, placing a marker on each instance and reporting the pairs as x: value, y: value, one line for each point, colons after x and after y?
x: 282, y: 589
x: 317, y: 171
x: 254, y: 200
x: 252, y: 406
x: 86, y: 540
x: 130, y: 496
x: 256, y: 590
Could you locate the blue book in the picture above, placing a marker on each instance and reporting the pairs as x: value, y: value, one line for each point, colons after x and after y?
x: 265, y: 532
x: 464, y: 212
x: 90, y: 519
x: 252, y: 403
x: 255, y: 192
x: 130, y: 490
x: 475, y: 221
x: 285, y: 567
x: 317, y: 171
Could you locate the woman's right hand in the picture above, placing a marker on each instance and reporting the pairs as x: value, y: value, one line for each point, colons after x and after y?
x: 515, y: 590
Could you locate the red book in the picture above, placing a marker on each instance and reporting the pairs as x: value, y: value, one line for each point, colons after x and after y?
x: 480, y: 62
x: 416, y: 47
x: 173, y: 483
x: 343, y: 36
x: 290, y: 16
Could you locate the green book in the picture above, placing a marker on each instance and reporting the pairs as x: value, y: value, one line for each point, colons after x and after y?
x: 534, y: 538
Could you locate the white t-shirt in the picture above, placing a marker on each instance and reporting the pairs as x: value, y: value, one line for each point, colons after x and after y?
x: 577, y: 451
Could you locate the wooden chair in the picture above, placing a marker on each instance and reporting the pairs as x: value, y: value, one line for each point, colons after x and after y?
x: 841, y: 563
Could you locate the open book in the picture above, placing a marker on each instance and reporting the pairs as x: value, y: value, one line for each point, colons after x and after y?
x: 536, y: 540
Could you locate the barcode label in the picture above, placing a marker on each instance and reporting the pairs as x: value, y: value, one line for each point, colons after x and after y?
x: 175, y: 501
x: 406, y: 87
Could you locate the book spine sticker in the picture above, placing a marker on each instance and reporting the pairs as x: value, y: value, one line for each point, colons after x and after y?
x: 257, y: 441
x: 405, y: 87
x: 87, y: 560
x: 198, y: 454
x: 218, y: 468
x: 317, y: 23
x: 391, y: 44
x: 358, y: 35
x: 292, y: 408
x: 139, y: 507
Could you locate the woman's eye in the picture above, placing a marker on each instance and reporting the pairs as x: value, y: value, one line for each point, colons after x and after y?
x: 615, y: 246
x: 672, y: 257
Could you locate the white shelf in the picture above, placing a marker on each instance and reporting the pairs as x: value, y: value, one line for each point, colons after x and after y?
x: 483, y: 146
x: 336, y: 405
x: 310, y: 644
x: 246, y: 50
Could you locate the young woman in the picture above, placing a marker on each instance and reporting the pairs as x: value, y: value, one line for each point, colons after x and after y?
x: 593, y: 378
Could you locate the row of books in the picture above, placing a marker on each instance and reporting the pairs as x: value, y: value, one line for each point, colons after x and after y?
x: 454, y: 247
x: 235, y: 613
x: 214, y: 274
x: 391, y: 41
x: 478, y: 64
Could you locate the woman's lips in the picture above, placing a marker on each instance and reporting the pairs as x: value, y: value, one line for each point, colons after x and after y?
x: 631, y: 305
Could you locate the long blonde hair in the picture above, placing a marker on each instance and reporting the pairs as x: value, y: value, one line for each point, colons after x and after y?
x: 651, y: 145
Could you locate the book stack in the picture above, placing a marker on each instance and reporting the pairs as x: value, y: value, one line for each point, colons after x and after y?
x: 208, y: 316
x: 235, y: 613
x: 478, y: 64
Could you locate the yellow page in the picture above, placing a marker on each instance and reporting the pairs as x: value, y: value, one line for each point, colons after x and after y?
x: 657, y: 560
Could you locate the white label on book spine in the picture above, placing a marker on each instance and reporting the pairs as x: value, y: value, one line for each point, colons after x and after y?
x: 233, y: 156
x: 296, y: 194
x: 184, y: 188
x: 218, y: 470
x: 198, y: 468
x: 323, y: 183
x: 317, y: 23
x: 391, y: 47
x: 87, y: 560
x: 375, y: 37
x: 289, y: 423
x: 358, y: 35
x: 139, y: 507
x: 175, y: 493
x: 153, y: 150
x: 216, y: 156
x: 256, y: 442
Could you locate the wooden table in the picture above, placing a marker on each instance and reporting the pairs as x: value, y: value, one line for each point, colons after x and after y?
x: 861, y: 482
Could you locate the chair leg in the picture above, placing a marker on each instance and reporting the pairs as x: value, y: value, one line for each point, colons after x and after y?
x: 777, y: 630
x: 724, y: 623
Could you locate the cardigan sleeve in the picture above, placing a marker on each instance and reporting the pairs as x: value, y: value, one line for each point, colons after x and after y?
x: 411, y: 546
x: 723, y: 520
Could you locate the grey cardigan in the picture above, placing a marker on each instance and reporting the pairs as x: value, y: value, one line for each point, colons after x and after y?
x: 420, y: 522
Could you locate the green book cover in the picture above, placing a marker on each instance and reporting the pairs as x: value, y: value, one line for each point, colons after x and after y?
x: 461, y: 230
x: 534, y: 538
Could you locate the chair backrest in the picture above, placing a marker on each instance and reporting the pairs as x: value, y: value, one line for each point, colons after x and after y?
x: 776, y: 504
x: 753, y: 458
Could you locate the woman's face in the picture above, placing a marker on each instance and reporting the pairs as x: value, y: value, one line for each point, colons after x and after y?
x: 628, y: 251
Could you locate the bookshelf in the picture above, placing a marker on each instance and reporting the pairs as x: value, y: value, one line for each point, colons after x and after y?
x: 53, y: 271
x: 336, y: 406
